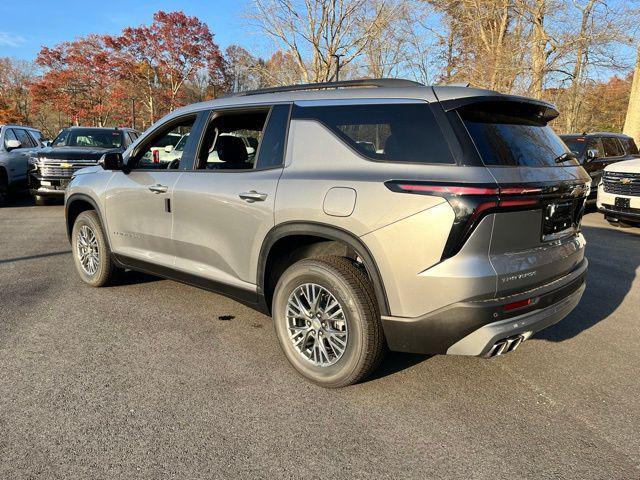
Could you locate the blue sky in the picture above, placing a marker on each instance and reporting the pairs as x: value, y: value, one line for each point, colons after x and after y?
x: 27, y: 25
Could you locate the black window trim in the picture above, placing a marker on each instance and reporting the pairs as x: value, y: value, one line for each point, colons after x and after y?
x: 376, y: 101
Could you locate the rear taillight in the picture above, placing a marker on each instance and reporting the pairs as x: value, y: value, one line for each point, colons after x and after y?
x: 156, y: 156
x: 472, y: 202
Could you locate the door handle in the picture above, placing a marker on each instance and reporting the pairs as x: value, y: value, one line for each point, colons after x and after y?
x: 158, y: 188
x: 253, y: 196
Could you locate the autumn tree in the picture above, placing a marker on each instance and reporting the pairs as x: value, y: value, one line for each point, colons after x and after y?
x: 15, y: 101
x: 78, y: 80
x: 159, y: 59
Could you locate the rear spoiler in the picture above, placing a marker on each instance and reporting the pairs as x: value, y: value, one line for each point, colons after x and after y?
x: 545, y: 111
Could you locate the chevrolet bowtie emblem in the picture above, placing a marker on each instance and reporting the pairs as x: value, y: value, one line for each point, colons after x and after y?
x: 66, y: 165
x: 626, y: 181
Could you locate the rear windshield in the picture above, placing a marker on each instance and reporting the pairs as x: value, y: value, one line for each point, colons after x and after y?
x: 512, y: 135
x: 386, y: 132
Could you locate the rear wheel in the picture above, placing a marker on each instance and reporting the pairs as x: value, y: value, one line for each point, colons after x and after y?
x: 327, y: 321
x: 91, y: 253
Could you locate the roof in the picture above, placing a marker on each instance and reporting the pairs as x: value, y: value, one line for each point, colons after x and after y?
x: 19, y: 126
x: 109, y: 129
x: 357, y: 90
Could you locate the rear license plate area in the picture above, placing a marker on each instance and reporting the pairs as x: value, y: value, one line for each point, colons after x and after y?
x: 623, y: 202
x: 559, y: 219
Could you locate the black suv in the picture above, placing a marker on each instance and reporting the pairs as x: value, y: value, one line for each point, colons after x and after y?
x: 597, y: 150
x: 74, y: 148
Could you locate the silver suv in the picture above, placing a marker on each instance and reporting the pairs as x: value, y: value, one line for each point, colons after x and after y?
x: 367, y: 215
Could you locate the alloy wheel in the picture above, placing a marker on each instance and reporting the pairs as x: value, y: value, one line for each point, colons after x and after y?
x: 316, y: 325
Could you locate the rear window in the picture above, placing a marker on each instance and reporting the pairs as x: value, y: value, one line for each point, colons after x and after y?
x: 386, y: 133
x: 513, y: 135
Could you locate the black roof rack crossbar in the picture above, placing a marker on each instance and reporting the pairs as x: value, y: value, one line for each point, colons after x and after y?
x: 374, y: 82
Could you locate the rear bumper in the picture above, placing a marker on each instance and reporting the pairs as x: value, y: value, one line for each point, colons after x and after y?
x: 472, y: 328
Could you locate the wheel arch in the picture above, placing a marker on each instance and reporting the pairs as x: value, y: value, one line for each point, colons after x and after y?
x: 320, y: 232
x: 75, y: 205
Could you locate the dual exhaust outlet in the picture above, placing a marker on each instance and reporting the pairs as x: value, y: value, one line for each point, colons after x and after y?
x: 505, y: 345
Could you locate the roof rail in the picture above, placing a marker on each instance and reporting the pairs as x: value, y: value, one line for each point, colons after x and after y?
x: 373, y: 82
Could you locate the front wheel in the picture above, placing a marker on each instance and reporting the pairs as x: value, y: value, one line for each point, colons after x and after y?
x: 327, y: 321
x: 91, y: 253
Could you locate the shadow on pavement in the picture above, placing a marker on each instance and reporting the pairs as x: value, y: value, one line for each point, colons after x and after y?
x: 396, y: 362
x: 33, y: 257
x: 131, y: 277
x: 614, y: 256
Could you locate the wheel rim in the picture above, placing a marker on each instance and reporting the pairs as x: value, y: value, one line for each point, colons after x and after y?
x: 316, y: 325
x: 87, y: 250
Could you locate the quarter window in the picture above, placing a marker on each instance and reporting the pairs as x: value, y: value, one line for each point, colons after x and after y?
x: 385, y: 132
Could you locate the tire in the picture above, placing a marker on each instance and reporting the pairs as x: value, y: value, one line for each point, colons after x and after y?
x: 40, y: 201
x: 362, y: 345
x: 100, y: 270
x: 4, y: 189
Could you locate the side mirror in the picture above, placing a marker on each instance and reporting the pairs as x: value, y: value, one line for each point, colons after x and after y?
x: 168, y: 148
x: 111, y: 161
x: 12, y: 145
x: 46, y: 143
x: 592, y: 154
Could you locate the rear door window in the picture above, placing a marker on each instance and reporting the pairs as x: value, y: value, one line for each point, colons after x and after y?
x: 512, y: 135
x: 612, y: 147
x: 386, y: 132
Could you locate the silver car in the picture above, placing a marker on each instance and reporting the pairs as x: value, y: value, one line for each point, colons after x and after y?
x: 371, y: 215
x: 17, y: 144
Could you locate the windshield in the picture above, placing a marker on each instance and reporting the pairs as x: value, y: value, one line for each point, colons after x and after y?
x: 512, y: 135
x: 89, y: 137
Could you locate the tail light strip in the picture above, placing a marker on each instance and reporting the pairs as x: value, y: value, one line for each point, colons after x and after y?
x: 471, y: 202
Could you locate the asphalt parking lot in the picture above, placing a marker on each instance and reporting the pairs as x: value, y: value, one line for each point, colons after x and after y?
x: 145, y: 380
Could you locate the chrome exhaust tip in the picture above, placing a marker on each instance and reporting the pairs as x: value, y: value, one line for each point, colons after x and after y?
x: 498, y: 349
x: 505, y: 345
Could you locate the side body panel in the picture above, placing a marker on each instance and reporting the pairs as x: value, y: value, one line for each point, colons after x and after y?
x: 139, y: 224
x: 217, y: 234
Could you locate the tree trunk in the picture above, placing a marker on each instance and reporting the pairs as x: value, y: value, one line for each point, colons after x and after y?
x: 632, y: 121
x: 538, y: 48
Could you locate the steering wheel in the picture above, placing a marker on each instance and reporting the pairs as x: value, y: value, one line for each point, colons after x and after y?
x: 173, y: 164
